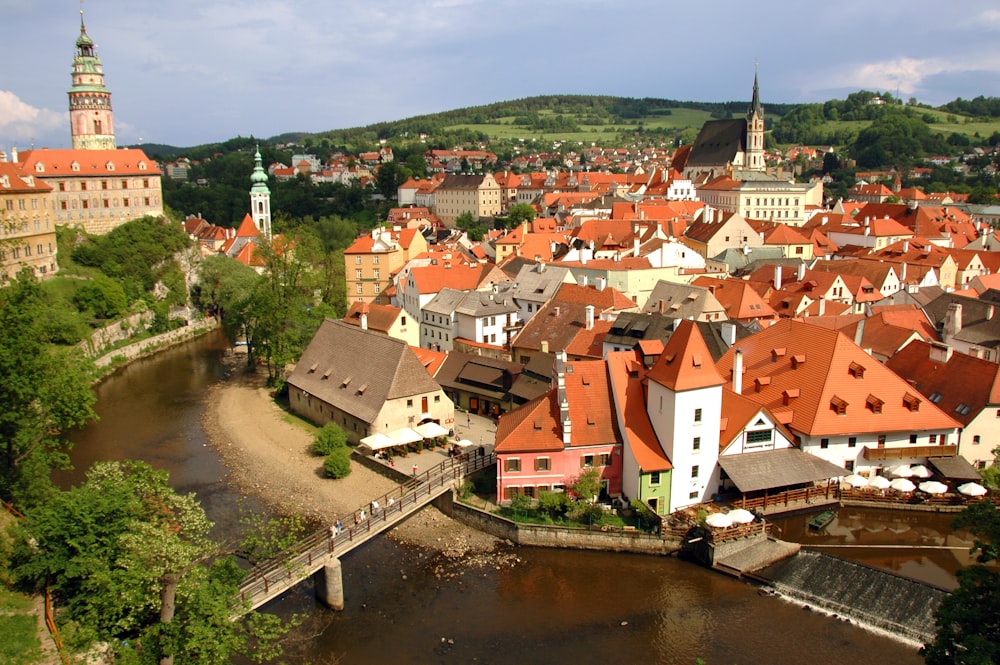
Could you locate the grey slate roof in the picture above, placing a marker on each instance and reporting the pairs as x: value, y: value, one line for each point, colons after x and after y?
x: 954, y: 467
x: 769, y: 469
x: 445, y: 302
x: 684, y: 301
x: 632, y: 327
x: 357, y: 371
x: 718, y: 142
x: 481, y: 303
x: 538, y: 283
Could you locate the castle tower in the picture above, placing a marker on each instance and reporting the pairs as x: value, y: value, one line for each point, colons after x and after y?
x: 260, y: 198
x: 755, y: 131
x: 90, y: 117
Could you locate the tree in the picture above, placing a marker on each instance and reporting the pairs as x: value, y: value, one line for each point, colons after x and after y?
x: 968, y: 620
x: 338, y: 463
x: 44, y: 392
x: 102, y: 296
x: 329, y: 438
x: 587, y: 485
x: 128, y: 561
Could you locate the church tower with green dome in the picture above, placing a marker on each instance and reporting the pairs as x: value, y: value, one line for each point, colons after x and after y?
x: 260, y: 198
x: 90, y: 116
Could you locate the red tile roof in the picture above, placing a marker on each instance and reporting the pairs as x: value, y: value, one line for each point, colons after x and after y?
x: 536, y: 427
x: 796, y: 355
x: 686, y: 363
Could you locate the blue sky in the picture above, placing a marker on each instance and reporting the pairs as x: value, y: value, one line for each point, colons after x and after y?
x: 187, y: 72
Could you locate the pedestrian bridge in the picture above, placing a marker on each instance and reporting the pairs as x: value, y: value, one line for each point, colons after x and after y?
x: 271, y: 578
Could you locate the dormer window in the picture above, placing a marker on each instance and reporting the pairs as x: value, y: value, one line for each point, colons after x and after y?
x: 838, y: 406
x: 110, y: 166
x: 911, y: 402
x: 4, y: 181
x: 75, y: 166
x: 856, y: 370
x: 142, y: 166
x: 777, y: 353
x: 798, y: 359
x: 874, y: 404
x: 39, y: 167
x: 788, y: 395
x: 761, y: 382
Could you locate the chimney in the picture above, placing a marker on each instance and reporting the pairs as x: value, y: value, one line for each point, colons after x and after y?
x: 860, y: 332
x: 590, y: 317
x: 13, y: 155
x: 661, y: 306
x: 938, y: 352
x: 952, y: 322
x: 777, y: 278
x: 800, y: 272
x: 728, y: 331
x: 600, y: 283
x: 738, y: 372
x: 821, y: 306
x: 635, y: 246
x: 906, y: 246
x: 583, y: 280
x: 364, y: 321
x: 560, y: 377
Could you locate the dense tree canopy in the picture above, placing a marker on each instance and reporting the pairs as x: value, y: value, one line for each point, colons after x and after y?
x: 129, y: 562
x: 44, y: 391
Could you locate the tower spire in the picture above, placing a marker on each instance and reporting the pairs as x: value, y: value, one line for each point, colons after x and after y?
x: 755, y: 128
x: 90, y: 116
x: 260, y: 197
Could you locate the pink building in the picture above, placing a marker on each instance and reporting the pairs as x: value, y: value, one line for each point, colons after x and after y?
x: 547, y: 443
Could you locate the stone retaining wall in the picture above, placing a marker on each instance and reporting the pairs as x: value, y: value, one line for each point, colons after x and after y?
x: 144, y: 346
x: 540, y: 535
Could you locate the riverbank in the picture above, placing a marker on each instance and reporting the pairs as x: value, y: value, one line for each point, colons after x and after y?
x: 268, y: 457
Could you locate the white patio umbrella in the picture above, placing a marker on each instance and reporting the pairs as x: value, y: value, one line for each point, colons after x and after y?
x: 933, y: 487
x: 465, y: 443
x: 879, y: 482
x: 901, y: 471
x: 902, y: 485
x: 972, y: 489
x: 920, y: 471
x: 854, y: 480
x: 719, y: 521
x: 430, y: 430
x: 741, y: 516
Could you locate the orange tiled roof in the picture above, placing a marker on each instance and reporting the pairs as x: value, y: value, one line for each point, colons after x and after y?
x: 686, y: 363
x: 626, y: 375
x: 536, y: 427
x: 821, y: 365
x: 48, y: 163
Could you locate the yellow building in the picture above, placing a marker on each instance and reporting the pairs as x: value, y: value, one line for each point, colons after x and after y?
x: 370, y: 262
x: 27, y: 230
x: 475, y: 194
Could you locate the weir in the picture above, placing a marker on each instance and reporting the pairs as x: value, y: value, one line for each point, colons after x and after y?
x: 870, y: 596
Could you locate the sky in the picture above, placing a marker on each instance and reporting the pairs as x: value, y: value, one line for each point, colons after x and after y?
x: 190, y: 72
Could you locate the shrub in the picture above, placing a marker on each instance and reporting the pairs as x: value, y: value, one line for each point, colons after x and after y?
x: 338, y: 463
x: 328, y: 439
x: 554, y: 503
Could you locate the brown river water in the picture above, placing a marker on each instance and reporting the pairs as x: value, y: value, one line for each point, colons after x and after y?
x: 406, y: 605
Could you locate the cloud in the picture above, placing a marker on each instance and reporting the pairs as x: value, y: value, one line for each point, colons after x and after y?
x: 21, y: 121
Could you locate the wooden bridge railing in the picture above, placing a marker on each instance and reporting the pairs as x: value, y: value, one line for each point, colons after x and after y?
x: 309, y: 554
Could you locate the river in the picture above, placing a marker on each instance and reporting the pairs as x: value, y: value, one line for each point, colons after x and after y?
x: 405, y: 605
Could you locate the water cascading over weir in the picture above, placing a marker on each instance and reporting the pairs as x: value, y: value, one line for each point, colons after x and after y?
x: 869, y: 596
